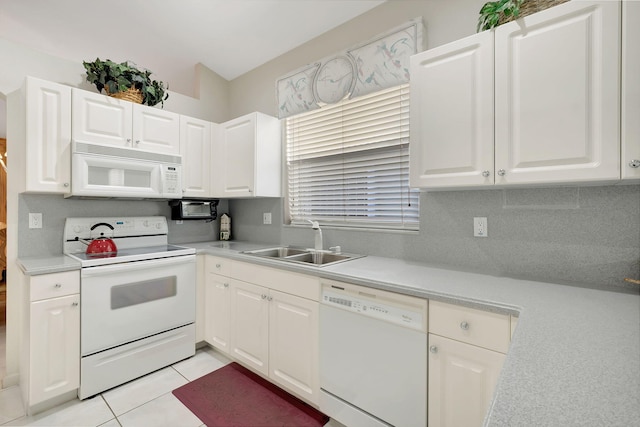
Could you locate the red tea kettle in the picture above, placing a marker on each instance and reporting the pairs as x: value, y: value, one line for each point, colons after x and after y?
x: 102, y: 244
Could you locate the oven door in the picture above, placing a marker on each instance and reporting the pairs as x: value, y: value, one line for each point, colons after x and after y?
x: 130, y: 301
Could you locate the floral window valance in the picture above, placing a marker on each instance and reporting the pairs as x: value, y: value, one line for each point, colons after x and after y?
x: 369, y: 67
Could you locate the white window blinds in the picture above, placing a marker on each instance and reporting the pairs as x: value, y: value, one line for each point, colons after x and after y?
x: 348, y: 163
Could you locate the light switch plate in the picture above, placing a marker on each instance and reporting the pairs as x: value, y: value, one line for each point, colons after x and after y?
x: 266, y: 218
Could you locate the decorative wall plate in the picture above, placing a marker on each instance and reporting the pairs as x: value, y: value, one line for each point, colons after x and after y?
x: 334, y: 80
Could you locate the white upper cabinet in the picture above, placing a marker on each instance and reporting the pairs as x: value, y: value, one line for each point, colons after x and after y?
x: 248, y: 157
x: 630, y: 90
x: 39, y: 120
x: 452, y: 114
x: 102, y: 119
x: 195, y: 148
x: 155, y: 129
x: 549, y: 84
x: 558, y: 95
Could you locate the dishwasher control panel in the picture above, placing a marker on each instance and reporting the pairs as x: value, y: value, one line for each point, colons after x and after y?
x: 375, y: 306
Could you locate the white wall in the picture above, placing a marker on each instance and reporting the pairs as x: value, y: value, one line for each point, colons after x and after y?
x: 3, y: 118
x: 445, y: 21
x: 18, y: 62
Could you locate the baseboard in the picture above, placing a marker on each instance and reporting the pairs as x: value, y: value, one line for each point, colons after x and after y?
x: 10, y: 380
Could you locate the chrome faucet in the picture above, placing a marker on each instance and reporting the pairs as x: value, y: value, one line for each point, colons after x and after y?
x: 315, y: 225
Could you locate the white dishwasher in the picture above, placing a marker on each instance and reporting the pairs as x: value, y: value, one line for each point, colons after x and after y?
x: 373, y: 356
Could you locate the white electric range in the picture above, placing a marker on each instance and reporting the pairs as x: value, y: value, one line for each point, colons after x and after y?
x: 137, y: 304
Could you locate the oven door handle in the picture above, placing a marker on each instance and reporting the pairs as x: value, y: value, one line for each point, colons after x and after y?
x: 136, y: 265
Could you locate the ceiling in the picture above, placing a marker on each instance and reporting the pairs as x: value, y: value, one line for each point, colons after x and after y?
x: 169, y: 37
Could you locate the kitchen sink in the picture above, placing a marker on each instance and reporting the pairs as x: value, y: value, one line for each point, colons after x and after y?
x: 279, y: 252
x: 302, y: 256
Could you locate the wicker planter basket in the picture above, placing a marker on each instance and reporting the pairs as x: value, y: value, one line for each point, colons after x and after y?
x: 132, y: 94
x: 529, y: 7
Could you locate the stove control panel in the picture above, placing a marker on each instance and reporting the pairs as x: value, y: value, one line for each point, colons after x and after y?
x: 114, y: 227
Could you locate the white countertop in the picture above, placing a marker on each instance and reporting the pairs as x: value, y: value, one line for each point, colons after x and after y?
x: 575, y: 356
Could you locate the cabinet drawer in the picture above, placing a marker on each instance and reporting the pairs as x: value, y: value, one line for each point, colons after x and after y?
x: 280, y: 280
x: 216, y: 265
x: 54, y: 285
x: 477, y: 327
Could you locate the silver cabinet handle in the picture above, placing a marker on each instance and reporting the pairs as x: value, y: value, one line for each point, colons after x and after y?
x: 635, y: 163
x: 502, y: 172
x: 226, y: 285
x: 433, y: 349
x: 486, y: 174
x: 128, y: 139
x: 57, y: 285
x: 66, y: 184
x: 217, y: 265
x: 464, y: 326
x: 263, y: 296
x: 74, y: 304
x: 137, y: 141
x: 270, y: 298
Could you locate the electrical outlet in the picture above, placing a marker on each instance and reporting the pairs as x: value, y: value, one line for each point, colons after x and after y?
x: 179, y: 222
x: 480, y: 227
x: 266, y: 218
x: 35, y: 220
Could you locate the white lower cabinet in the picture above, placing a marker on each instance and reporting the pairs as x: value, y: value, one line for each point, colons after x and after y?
x: 250, y: 325
x: 462, y: 378
x: 293, y: 344
x: 51, y: 360
x: 217, y: 303
x: 265, y: 326
x: 267, y: 319
x: 467, y: 348
x: 200, y: 298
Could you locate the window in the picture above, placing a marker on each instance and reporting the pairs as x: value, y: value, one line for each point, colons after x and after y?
x: 348, y: 163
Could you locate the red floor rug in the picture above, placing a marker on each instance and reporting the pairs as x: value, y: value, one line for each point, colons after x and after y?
x: 233, y: 396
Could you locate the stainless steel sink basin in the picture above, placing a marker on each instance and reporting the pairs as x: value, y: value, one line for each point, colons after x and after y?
x: 321, y: 258
x: 302, y: 256
x: 279, y: 252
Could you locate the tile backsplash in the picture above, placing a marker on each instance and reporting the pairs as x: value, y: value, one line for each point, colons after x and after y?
x: 587, y: 236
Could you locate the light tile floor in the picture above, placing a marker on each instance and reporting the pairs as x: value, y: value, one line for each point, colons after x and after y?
x: 147, y: 401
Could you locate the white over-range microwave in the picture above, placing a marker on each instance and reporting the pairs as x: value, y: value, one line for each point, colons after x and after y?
x: 108, y: 171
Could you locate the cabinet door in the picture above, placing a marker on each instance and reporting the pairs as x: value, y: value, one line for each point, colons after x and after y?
x: 462, y: 379
x: 236, y: 157
x: 249, y: 334
x: 156, y: 130
x: 630, y: 90
x: 55, y: 347
x: 101, y: 119
x: 218, y: 304
x: 195, y: 148
x: 48, y: 137
x: 201, y: 307
x: 293, y: 344
x: 558, y: 95
x: 452, y: 114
